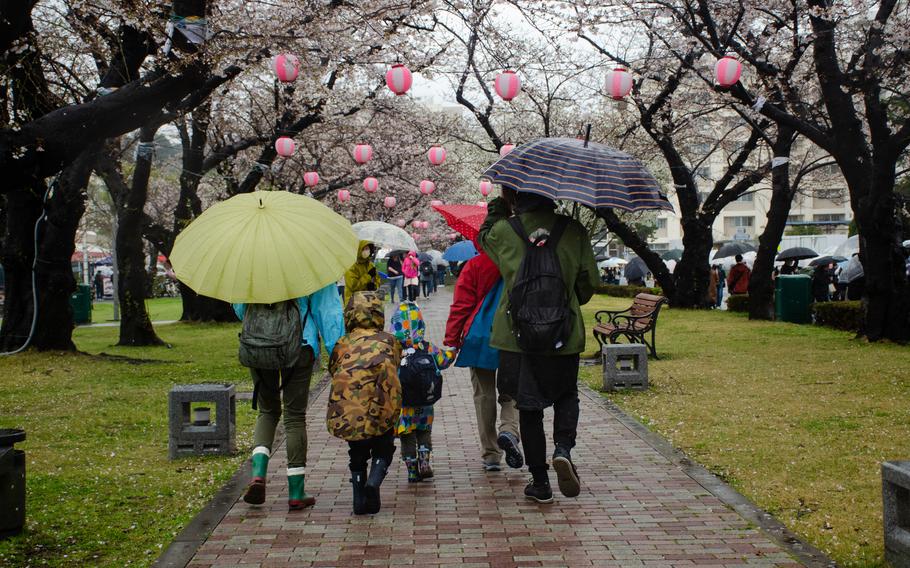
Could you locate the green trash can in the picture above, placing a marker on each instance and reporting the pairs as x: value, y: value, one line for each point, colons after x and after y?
x: 792, y: 298
x: 81, y: 302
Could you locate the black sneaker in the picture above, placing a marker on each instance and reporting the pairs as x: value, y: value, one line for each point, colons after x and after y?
x: 508, y: 443
x: 539, y: 492
x: 566, y: 475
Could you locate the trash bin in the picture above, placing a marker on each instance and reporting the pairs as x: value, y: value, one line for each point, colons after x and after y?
x: 12, y: 482
x: 81, y: 302
x: 792, y: 298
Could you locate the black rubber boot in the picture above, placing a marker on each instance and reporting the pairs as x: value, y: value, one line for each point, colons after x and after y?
x: 378, y: 472
x: 358, y: 483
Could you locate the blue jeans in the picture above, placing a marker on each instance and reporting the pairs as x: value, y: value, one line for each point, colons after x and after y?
x: 396, y: 283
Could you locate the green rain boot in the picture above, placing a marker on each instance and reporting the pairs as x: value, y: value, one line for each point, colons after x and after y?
x: 255, y: 491
x: 297, y: 497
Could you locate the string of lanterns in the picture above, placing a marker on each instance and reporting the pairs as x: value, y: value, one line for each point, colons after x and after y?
x: 507, y: 84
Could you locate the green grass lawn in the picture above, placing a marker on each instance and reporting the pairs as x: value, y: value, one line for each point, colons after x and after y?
x: 101, y: 491
x: 798, y: 418
x: 160, y: 309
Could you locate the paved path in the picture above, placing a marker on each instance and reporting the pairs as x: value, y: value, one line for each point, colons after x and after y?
x: 636, y: 507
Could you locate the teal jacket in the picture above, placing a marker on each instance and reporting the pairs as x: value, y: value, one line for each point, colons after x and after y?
x: 326, y: 318
x: 576, y: 258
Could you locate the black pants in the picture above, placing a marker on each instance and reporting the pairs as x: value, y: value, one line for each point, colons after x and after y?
x: 427, y: 287
x: 379, y: 447
x: 536, y: 382
x: 413, y: 292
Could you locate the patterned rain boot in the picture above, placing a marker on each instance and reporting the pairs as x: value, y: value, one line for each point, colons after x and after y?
x: 424, y: 465
x: 297, y: 497
x: 378, y: 472
x: 255, y: 491
x: 358, y: 483
x: 413, y: 472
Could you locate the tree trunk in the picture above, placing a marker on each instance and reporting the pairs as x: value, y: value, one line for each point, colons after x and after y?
x: 761, y: 287
x: 692, y: 273
x: 631, y: 239
x: 887, y: 296
x: 198, y: 308
x: 135, y: 325
x: 53, y: 271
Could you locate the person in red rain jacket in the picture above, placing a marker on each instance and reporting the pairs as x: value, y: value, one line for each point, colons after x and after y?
x: 478, y: 277
x: 738, y: 279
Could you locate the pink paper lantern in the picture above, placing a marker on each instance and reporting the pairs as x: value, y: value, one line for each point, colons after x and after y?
x: 389, y: 202
x: 343, y: 195
x: 415, y: 235
x: 727, y: 71
x: 285, y: 146
x: 482, y: 204
x: 619, y: 83
x: 370, y: 185
x: 486, y: 187
x: 436, y: 155
x: 427, y: 187
x: 434, y: 236
x: 508, y: 85
x: 436, y: 203
x: 287, y: 67
x: 424, y: 224
x: 505, y: 149
x: 311, y: 179
x: 401, y: 222
x: 398, y: 79
x: 363, y: 153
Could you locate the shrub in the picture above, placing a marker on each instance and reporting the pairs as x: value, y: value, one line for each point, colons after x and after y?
x: 618, y: 291
x: 738, y: 302
x: 839, y: 315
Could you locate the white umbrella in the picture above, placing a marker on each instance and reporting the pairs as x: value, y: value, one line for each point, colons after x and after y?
x: 612, y: 262
x: 848, y: 248
x: 436, y: 257
x: 385, y: 235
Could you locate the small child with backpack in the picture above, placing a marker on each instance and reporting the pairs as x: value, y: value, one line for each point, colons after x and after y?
x: 420, y: 375
x: 365, y: 398
x: 427, y: 277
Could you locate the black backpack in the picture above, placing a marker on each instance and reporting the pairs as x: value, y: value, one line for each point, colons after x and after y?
x: 427, y: 269
x: 539, y: 300
x: 421, y: 380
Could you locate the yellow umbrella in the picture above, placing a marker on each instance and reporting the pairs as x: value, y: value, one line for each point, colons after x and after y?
x: 264, y: 247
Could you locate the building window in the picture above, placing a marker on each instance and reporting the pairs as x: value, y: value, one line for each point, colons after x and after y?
x: 746, y: 197
x: 794, y: 218
x: 829, y: 217
x: 661, y: 223
x: 742, y: 221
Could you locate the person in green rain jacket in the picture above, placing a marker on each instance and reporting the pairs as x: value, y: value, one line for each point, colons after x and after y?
x: 362, y: 276
x: 548, y: 378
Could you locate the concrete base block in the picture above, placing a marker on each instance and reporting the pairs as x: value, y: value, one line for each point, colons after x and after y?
x: 187, y: 439
x: 625, y: 366
x: 896, y: 504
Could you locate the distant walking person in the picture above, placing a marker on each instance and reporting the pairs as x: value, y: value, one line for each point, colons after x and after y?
x: 396, y: 278
x: 738, y: 280
x: 280, y: 344
x: 99, y: 285
x: 721, y: 283
x: 821, y: 280
x: 477, y: 294
x: 411, y: 270
x: 548, y: 269
x: 713, y: 287
x: 362, y: 276
x: 427, y: 277
x: 365, y: 399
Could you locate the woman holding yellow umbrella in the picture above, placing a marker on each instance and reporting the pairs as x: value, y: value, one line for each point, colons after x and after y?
x: 276, y: 257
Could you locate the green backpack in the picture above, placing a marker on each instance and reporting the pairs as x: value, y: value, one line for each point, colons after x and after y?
x: 270, y: 338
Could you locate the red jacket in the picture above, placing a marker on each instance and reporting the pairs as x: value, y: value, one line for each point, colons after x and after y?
x: 478, y: 276
x: 738, y: 279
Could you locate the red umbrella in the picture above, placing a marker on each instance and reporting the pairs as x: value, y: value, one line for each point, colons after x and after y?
x: 466, y: 219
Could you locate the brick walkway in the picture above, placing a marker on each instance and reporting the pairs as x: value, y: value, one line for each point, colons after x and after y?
x: 635, y: 509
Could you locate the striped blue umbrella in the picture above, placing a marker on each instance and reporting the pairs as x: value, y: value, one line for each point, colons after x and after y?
x: 591, y: 174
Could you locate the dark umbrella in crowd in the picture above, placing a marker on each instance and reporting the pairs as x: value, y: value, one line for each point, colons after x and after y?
x: 577, y: 170
x: 675, y: 254
x: 424, y: 257
x: 823, y: 260
x: 796, y: 253
x: 733, y: 249
x: 636, y: 269
x: 852, y: 271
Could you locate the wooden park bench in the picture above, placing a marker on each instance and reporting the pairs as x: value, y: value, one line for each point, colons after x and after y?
x: 634, y: 323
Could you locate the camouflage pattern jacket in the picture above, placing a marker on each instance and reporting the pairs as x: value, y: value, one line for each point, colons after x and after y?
x: 365, y: 400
